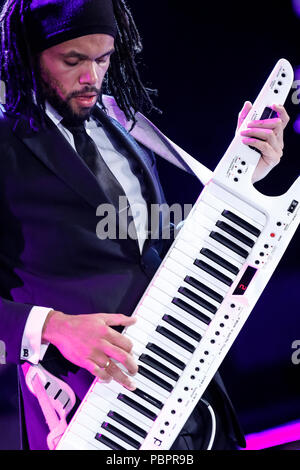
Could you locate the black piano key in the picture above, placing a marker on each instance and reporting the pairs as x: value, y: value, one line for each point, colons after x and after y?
x: 108, y: 442
x: 150, y: 361
x: 219, y: 260
x: 203, y: 288
x: 121, y: 435
x: 268, y: 113
x: 191, y: 310
x: 197, y: 299
x: 176, y: 339
x: 165, y: 355
x: 242, y: 223
x: 181, y: 327
x: 127, y: 424
x: 213, y: 272
x: 229, y: 244
x: 137, y: 406
x: 145, y: 396
x: 235, y: 233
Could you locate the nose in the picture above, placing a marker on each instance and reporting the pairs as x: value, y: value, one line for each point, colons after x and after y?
x: 89, y: 75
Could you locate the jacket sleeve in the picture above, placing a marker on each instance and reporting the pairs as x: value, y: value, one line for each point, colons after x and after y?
x: 13, y: 318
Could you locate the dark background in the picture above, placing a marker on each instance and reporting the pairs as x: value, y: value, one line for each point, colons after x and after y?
x: 206, y: 62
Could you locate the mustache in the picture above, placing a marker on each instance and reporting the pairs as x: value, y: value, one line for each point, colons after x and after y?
x: 85, y: 90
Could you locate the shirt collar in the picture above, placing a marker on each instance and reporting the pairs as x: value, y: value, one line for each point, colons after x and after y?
x: 57, y: 118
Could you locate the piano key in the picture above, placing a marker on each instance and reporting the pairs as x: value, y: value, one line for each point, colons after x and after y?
x: 135, y: 397
x: 121, y: 435
x: 108, y: 419
x: 74, y: 442
x: 213, y: 272
x: 112, y: 444
x: 241, y: 222
x: 119, y: 407
x: 199, y: 300
x: 170, y: 346
x: 235, y: 233
x: 155, y: 378
x: 157, y: 357
x: 175, y: 339
x: 127, y: 424
x: 85, y: 434
x: 149, y: 398
x: 222, y: 199
x: 156, y: 338
x: 203, y: 288
x: 181, y: 327
x: 190, y: 238
x: 166, y: 299
x: 150, y: 361
x: 196, y: 253
x: 215, y: 245
x: 192, y: 270
x: 161, y: 304
x: 124, y: 398
x: 166, y: 355
x: 229, y: 244
x: 145, y: 384
x: 219, y: 260
x: 180, y: 316
x: 193, y: 311
x: 171, y: 265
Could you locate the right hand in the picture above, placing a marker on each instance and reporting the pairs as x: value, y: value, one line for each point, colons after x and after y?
x: 89, y: 342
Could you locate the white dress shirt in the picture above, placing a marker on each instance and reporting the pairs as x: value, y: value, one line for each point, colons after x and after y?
x: 32, y: 349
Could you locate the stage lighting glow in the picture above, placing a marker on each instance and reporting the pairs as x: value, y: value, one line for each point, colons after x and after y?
x: 296, y: 6
x: 285, y: 434
x: 297, y: 125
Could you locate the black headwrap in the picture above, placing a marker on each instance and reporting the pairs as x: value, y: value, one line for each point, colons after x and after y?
x: 51, y: 22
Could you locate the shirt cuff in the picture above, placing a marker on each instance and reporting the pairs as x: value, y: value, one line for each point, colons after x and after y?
x: 32, y: 349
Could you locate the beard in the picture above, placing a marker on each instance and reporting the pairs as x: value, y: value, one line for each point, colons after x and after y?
x: 63, y: 106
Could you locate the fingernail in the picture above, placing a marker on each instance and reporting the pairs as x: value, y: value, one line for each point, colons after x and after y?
x: 131, y: 386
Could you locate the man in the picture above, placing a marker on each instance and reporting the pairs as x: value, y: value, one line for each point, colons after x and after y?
x: 64, y: 290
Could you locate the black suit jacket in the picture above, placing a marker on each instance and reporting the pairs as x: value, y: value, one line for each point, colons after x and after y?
x: 50, y: 254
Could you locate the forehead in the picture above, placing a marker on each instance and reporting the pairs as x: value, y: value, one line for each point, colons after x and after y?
x: 92, y: 45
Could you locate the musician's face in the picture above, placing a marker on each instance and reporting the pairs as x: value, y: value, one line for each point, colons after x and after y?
x: 72, y: 74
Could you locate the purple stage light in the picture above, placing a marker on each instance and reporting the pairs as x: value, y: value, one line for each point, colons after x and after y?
x: 297, y: 125
x: 285, y: 434
x: 296, y: 6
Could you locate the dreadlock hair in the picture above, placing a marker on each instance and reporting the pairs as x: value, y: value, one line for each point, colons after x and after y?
x: 19, y: 68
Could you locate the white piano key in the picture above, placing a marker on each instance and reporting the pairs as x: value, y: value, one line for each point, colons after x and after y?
x: 162, y: 361
x: 122, y: 409
x: 192, y: 269
x: 74, y: 442
x: 124, y: 429
x: 210, y: 243
x: 158, y: 320
x: 163, y: 306
x: 138, y: 399
x: 174, y: 266
x: 85, y: 434
x: 170, y: 346
x: 223, y: 200
x: 186, y: 248
x: 166, y: 300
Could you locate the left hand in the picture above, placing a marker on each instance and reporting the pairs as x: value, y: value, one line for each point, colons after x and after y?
x: 270, y: 133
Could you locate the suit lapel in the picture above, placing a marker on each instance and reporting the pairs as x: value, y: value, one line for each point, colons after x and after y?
x: 51, y: 147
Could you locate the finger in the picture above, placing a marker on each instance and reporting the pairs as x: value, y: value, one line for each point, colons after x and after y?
x: 244, y: 113
x: 267, y: 135
x: 282, y: 114
x: 118, y: 375
x: 117, y: 319
x: 273, y: 158
x: 274, y: 123
x: 96, y: 370
x: 121, y: 356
